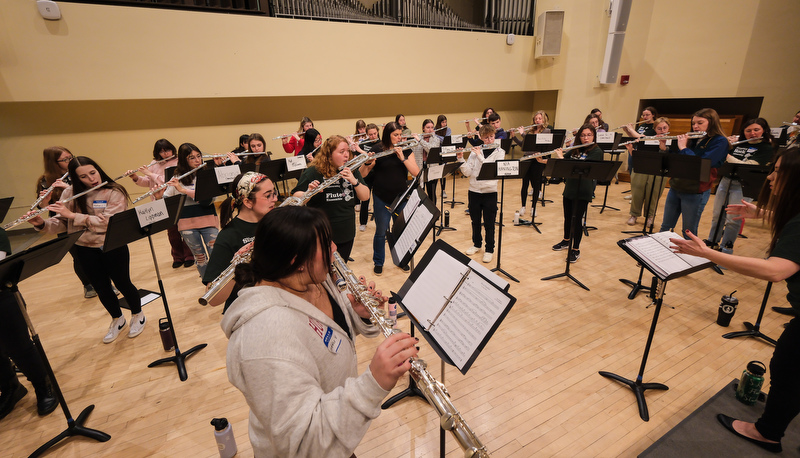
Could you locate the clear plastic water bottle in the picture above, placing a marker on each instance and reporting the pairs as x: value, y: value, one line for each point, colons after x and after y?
x: 223, y: 433
x: 393, y: 311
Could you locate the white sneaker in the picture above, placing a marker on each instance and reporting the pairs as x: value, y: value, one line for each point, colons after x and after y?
x: 628, y: 197
x: 362, y: 227
x: 487, y: 257
x: 358, y: 207
x: 444, y: 194
x: 522, y: 211
x: 472, y: 250
x: 530, y: 191
x: 117, y: 325
x: 137, y: 324
x: 536, y: 212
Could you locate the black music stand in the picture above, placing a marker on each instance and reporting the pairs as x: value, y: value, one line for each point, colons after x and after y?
x: 665, y: 165
x: 609, y: 148
x: 207, y: 186
x: 754, y: 330
x: 13, y: 270
x: 450, y: 167
x: 124, y: 228
x: 750, y: 176
x: 581, y: 170
x: 278, y: 172
x: 5, y: 205
x: 489, y: 171
x: 405, y: 236
x: 448, y: 141
x: 657, y: 294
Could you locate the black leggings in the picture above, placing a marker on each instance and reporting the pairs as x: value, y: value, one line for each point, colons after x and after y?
x: 783, y: 402
x: 102, y: 268
x: 578, y: 228
x: 15, y: 343
x: 482, y: 212
x: 534, y: 178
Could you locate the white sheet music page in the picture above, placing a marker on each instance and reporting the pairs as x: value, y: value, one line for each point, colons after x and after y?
x: 413, y: 230
x: 427, y: 295
x: 655, y: 249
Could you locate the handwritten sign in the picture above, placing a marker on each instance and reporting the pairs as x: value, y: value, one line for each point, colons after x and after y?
x: 507, y: 168
x: 227, y: 174
x: 544, y: 139
x: 655, y: 142
x: 448, y: 149
x: 435, y: 171
x: 151, y: 213
x: 605, y: 137
x: 295, y: 163
x: 456, y: 138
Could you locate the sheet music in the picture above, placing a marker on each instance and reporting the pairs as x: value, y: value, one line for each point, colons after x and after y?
x: 544, y: 139
x: 413, y: 231
x: 435, y: 171
x: 655, y: 250
x: 411, y: 205
x: 443, y: 271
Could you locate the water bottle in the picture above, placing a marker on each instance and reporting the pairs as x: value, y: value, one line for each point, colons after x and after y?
x: 727, y: 307
x: 516, y: 218
x: 166, y: 334
x: 751, y: 382
x: 393, y: 311
x: 223, y: 433
x: 446, y: 218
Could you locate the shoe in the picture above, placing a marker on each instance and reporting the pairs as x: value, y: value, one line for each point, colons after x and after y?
x: 116, y: 291
x: 89, y: 292
x: 466, y: 211
x: 709, y: 243
x: 487, y: 257
x: 137, y: 324
x: 377, y: 270
x: 727, y: 422
x: 406, y: 268
x: 444, y: 194
x: 177, y: 264
x: 46, y: 401
x: 117, y: 325
x: 188, y: 263
x: 522, y: 211
x: 362, y: 228
x: 631, y: 221
x: 562, y: 245
x: 358, y: 207
x: 574, y: 255
x: 785, y: 311
x: 11, y: 396
x: 472, y: 250
x: 628, y: 197
x: 530, y: 191
x: 649, y: 222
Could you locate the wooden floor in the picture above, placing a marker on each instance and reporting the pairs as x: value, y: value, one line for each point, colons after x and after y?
x: 534, y: 391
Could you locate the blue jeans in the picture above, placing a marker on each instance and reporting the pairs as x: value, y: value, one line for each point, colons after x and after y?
x: 201, y: 242
x: 687, y: 206
x: 382, y: 216
x: 732, y: 228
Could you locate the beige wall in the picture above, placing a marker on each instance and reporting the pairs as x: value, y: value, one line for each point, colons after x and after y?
x: 108, y: 81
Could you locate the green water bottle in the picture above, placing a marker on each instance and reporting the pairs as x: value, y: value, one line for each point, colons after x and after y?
x: 751, y: 382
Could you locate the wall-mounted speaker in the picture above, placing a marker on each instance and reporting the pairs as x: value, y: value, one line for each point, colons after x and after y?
x: 549, y: 27
x: 620, y: 12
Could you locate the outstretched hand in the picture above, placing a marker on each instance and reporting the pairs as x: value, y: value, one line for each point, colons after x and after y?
x: 741, y: 211
x: 694, y: 246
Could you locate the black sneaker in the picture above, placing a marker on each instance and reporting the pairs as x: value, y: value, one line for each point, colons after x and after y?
x: 574, y: 255
x: 406, y: 268
x: 378, y: 270
x: 562, y: 245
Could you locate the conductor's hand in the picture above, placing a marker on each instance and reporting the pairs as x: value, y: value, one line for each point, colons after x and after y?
x: 391, y: 359
x: 694, y: 246
x: 742, y: 211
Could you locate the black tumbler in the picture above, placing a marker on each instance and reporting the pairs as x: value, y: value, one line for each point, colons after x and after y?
x: 727, y: 307
x: 166, y: 334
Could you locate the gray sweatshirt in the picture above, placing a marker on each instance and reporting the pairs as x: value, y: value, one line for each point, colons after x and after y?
x: 298, y: 372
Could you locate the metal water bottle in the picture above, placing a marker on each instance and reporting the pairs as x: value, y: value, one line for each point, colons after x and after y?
x: 393, y: 311
x: 166, y: 334
x: 223, y: 433
x: 751, y: 382
x: 446, y: 218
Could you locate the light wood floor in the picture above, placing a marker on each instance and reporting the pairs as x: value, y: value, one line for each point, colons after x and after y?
x: 534, y: 391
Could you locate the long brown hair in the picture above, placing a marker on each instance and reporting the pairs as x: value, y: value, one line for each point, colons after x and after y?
x: 322, y: 160
x: 52, y: 171
x: 714, y: 126
x: 78, y: 186
x: 783, y: 205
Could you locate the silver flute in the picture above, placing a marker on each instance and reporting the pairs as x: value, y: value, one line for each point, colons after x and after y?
x: 164, y: 186
x: 219, y: 283
x: 25, y: 218
x: 48, y: 191
x: 433, y: 390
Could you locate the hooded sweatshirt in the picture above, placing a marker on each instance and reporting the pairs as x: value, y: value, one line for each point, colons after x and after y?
x: 298, y: 372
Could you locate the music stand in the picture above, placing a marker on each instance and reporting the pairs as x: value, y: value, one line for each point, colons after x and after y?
x: 450, y: 166
x: 5, y: 205
x: 278, y: 172
x: 666, y: 165
x: 124, y: 228
x: 207, y: 186
x: 581, y: 170
x: 411, y: 227
x: 754, y: 330
x: 13, y: 270
x: 608, y: 147
x: 750, y: 176
x: 501, y: 170
x: 657, y: 294
x: 448, y: 141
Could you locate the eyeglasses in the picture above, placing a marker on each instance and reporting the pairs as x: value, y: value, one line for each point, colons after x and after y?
x: 66, y: 159
x: 194, y: 157
x: 270, y: 194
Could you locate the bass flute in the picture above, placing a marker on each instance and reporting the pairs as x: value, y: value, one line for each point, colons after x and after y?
x: 164, y: 186
x: 433, y: 390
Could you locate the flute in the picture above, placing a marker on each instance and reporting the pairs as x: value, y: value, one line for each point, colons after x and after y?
x: 624, y: 125
x: 148, y: 165
x: 245, y: 153
x: 48, y: 191
x: 25, y: 218
x: 689, y: 135
x: 547, y: 153
x: 424, y: 133
x: 281, y: 137
x: 470, y: 120
x: 434, y: 391
x: 164, y: 186
x: 746, y: 140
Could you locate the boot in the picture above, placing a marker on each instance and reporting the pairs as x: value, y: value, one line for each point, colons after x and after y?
x: 11, y: 395
x: 46, y: 400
